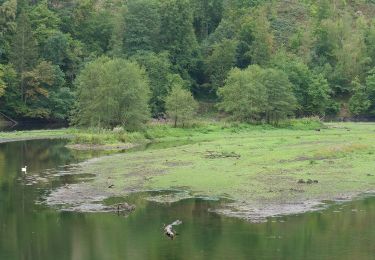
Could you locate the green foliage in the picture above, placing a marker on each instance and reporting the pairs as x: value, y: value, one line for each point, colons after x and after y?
x: 317, y: 96
x: 255, y: 40
x: 359, y: 102
x: 2, y: 82
x: 307, y: 123
x: 42, y: 98
x: 8, y: 10
x: 177, y: 35
x: 255, y: 93
x: 207, y: 16
x: 341, y: 44
x: 322, y: 46
x: 112, y: 92
x: 142, y: 26
x: 24, y: 46
x: 310, y: 89
x: 244, y: 96
x: 43, y: 21
x: 370, y: 91
x: 180, y: 105
x: 56, y: 48
x: 100, y: 136
x: 280, y: 98
x: 159, y: 70
x: 220, y: 62
x: 9, y: 84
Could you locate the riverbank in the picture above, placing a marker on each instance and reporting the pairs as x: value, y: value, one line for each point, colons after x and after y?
x: 80, y: 139
x: 119, y: 139
x: 263, y: 171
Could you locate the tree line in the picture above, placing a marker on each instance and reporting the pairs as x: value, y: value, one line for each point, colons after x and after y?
x: 110, y: 62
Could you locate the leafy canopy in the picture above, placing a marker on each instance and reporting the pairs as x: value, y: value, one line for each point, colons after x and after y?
x: 112, y: 92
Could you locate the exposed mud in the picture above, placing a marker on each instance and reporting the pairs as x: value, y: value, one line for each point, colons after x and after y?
x: 83, y: 197
x: 88, y: 196
x: 75, y: 196
x: 260, y: 213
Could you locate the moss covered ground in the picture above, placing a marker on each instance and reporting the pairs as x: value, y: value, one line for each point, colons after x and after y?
x: 253, y: 166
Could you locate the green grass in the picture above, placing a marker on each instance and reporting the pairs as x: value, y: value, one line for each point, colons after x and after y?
x: 250, y: 164
x: 197, y: 129
x: 90, y: 136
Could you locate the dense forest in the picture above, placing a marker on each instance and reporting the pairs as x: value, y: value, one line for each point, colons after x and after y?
x: 111, y: 62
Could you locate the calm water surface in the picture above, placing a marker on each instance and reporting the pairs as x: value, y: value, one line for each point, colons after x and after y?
x: 30, y: 230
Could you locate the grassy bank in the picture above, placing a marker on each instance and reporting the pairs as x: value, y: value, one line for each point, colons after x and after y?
x: 268, y: 169
x: 94, y: 137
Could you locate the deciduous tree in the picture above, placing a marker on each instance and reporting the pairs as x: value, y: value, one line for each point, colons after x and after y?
x: 112, y: 92
x: 180, y: 105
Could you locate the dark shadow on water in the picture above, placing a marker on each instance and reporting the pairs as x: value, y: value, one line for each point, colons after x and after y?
x: 23, y: 126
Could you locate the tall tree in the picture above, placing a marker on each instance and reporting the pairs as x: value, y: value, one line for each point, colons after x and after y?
x: 117, y: 36
x: 44, y: 22
x: 281, y: 101
x: 112, y: 92
x: 254, y: 93
x: 310, y: 89
x: 24, y: 50
x: 370, y: 91
x: 2, y: 82
x: 56, y: 48
x: 256, y: 42
x: 244, y: 96
x: 159, y: 70
x: 41, y: 83
x: 359, y: 103
x: 8, y: 11
x: 177, y: 35
x: 142, y: 30
x: 318, y: 96
x: 207, y: 16
x: 221, y: 60
x: 180, y: 105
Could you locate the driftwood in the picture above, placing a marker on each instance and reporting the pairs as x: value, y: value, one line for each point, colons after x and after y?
x: 168, y: 230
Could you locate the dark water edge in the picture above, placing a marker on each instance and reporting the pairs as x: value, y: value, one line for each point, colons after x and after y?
x: 33, y: 231
x: 31, y: 125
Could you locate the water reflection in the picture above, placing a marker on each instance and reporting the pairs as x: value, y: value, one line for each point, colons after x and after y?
x: 32, y: 231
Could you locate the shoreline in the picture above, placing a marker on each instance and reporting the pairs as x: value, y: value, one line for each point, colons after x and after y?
x: 82, y: 198
x: 263, y: 173
x: 21, y: 139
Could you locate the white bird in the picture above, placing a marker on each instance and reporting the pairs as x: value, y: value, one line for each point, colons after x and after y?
x: 24, y: 169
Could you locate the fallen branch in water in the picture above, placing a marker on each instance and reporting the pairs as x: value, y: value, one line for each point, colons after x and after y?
x: 168, y: 230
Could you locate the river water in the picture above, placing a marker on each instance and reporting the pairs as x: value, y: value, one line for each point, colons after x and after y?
x: 31, y: 230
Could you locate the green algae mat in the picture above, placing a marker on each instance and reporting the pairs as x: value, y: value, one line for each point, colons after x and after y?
x: 261, y: 172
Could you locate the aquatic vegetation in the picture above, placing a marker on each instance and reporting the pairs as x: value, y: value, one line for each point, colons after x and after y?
x: 256, y: 168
